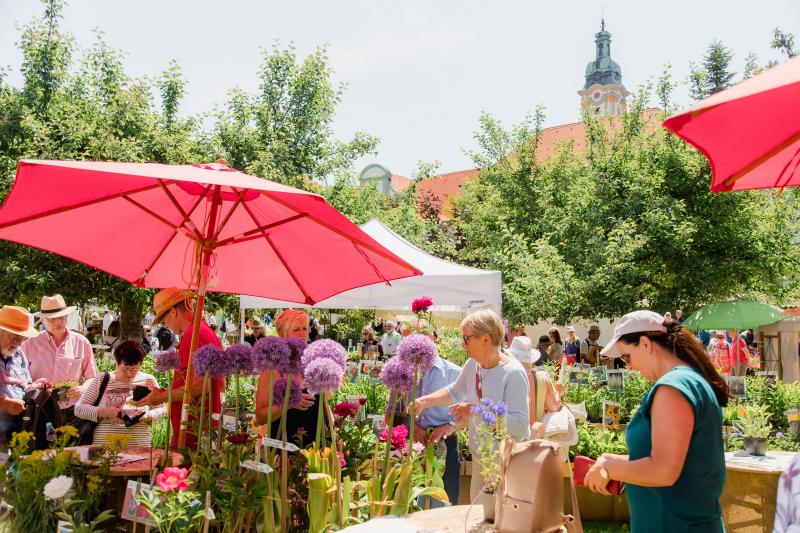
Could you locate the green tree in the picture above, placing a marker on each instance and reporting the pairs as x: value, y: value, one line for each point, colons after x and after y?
x: 783, y: 42
x: 713, y: 74
x: 630, y: 219
x: 283, y: 133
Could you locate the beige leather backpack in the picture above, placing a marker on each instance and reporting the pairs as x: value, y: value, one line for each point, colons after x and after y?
x: 530, y: 498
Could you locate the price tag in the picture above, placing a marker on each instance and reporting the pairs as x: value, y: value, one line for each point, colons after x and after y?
x: 210, y: 514
x: 264, y: 468
x: 275, y: 443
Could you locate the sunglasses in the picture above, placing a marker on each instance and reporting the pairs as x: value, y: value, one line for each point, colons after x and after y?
x: 467, y: 338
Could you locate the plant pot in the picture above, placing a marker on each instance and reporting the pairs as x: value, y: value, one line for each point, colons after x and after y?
x: 488, y: 499
x: 757, y: 447
x: 793, y: 415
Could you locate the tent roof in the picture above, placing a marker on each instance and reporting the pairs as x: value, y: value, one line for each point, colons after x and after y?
x: 452, y: 287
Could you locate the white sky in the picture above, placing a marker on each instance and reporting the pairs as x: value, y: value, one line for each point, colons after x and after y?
x: 419, y: 72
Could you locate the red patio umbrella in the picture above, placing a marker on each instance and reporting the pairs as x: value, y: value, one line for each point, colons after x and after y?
x: 207, y: 227
x: 750, y: 133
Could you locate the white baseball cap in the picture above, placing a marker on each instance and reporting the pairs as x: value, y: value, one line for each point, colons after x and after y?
x: 635, y: 322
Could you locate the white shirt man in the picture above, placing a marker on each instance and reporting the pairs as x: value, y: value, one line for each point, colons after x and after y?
x: 390, y: 340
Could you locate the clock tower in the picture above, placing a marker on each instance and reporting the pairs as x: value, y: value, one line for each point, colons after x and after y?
x: 603, y: 93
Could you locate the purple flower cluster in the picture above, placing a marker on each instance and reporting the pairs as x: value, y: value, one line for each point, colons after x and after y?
x: 397, y: 375
x: 489, y: 410
x: 418, y: 350
x: 322, y: 375
x: 326, y: 349
x: 239, y: 358
x: 279, y: 391
x: 210, y: 359
x: 269, y: 353
x: 294, y: 363
x: 166, y: 361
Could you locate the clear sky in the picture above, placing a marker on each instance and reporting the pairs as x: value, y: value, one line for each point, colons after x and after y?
x: 419, y: 72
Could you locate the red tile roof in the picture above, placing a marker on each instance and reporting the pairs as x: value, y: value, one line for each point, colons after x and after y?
x: 400, y: 183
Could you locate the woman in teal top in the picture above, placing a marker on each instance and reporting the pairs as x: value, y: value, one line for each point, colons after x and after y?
x: 675, y: 469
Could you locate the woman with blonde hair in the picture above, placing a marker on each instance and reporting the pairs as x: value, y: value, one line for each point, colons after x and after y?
x: 290, y: 323
x: 488, y: 373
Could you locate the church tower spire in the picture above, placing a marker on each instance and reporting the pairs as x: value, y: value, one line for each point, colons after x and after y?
x: 603, y: 93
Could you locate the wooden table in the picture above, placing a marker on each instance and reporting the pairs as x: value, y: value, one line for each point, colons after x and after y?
x: 751, y: 487
x: 454, y: 519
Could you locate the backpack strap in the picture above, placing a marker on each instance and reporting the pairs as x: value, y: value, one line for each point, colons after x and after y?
x: 576, y: 513
x: 539, y: 393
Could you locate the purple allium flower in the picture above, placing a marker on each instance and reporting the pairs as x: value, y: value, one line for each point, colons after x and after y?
x: 166, y: 361
x: 279, y: 391
x: 326, y: 349
x: 210, y: 359
x: 268, y: 353
x: 294, y: 363
x: 418, y: 350
x: 240, y: 359
x: 397, y: 375
x: 322, y: 375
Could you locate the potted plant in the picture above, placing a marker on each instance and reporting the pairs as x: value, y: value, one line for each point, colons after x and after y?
x: 793, y: 417
x: 754, y: 428
x: 490, y: 426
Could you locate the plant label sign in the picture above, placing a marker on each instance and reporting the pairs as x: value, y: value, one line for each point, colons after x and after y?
x: 264, y: 468
x: 131, y: 509
x: 275, y: 443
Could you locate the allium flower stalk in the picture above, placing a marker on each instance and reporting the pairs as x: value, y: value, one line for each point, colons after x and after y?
x: 167, y: 360
x: 269, y: 353
x: 397, y: 375
x: 419, y: 351
x: 210, y: 359
x: 326, y: 349
x: 239, y: 359
x: 279, y: 391
x: 322, y: 375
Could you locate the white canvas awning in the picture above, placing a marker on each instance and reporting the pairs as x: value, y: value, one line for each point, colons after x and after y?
x: 452, y: 287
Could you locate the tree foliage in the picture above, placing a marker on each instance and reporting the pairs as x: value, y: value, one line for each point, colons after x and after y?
x: 628, y: 221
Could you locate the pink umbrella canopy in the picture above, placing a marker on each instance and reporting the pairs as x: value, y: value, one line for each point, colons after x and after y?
x: 140, y: 222
x: 750, y: 133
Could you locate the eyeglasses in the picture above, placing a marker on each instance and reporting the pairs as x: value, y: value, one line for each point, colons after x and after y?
x: 467, y: 338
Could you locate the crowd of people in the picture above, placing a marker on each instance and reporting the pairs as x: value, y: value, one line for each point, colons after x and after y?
x: 675, y: 467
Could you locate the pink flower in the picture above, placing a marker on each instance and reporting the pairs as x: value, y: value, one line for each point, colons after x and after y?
x: 418, y: 447
x: 172, y: 478
x: 420, y: 305
x: 362, y: 401
x: 341, y: 459
x: 399, y: 436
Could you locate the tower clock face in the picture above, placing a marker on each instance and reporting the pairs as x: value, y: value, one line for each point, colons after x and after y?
x: 596, y: 96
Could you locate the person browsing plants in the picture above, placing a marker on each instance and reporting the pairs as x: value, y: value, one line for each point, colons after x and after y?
x: 675, y: 468
x: 488, y: 373
x: 175, y: 309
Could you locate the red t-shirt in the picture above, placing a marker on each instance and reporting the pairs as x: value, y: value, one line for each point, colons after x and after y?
x: 206, y: 337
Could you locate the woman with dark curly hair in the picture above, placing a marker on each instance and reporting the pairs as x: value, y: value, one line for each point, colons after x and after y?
x: 675, y: 468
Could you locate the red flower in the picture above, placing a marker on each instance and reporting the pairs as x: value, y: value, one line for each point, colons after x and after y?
x: 421, y: 304
x: 362, y: 401
x: 238, y: 438
x: 344, y: 409
x: 172, y: 478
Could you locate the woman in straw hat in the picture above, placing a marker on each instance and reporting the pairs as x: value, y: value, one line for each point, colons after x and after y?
x: 290, y: 323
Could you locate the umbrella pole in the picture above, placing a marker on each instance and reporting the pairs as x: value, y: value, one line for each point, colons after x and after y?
x: 202, y: 277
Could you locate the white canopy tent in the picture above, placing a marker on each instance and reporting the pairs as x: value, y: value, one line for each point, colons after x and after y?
x: 453, y: 287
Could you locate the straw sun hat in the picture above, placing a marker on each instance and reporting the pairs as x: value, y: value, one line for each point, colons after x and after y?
x: 166, y: 299
x: 17, y: 321
x: 54, y: 307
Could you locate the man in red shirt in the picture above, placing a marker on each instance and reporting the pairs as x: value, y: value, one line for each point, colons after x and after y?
x: 175, y: 308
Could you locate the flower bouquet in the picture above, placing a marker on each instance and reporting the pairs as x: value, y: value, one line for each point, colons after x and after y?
x: 490, y: 427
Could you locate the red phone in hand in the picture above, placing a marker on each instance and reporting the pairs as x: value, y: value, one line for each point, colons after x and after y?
x: 582, y: 465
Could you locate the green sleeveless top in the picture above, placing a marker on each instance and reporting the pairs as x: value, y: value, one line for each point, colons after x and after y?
x: 692, y: 503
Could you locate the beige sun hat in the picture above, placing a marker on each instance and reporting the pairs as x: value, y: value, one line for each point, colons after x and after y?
x: 17, y: 320
x: 166, y: 299
x: 54, y: 307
